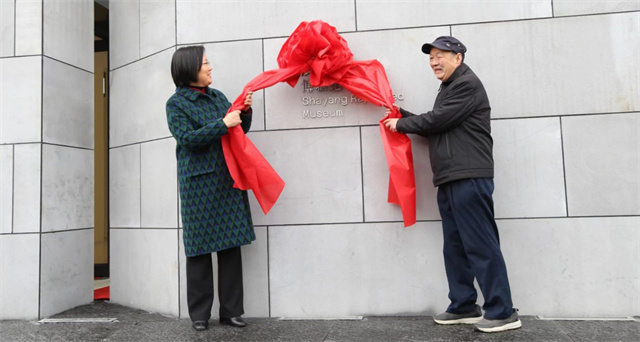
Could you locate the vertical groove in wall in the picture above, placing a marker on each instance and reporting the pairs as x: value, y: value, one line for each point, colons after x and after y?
x: 178, y: 181
x: 15, y: 25
x: 552, y: 12
x: 268, y: 274
x: 564, y: 169
x: 41, y: 160
x: 264, y: 93
x: 355, y: 13
x: 364, y: 218
x: 13, y: 185
x: 178, y: 256
x: 139, y: 30
x: 140, y: 185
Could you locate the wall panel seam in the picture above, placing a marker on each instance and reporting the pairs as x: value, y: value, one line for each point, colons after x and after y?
x: 139, y: 29
x: 437, y: 221
x: 13, y: 186
x: 68, y: 146
x: 564, y: 169
x: 355, y: 14
x: 67, y: 230
x: 268, y: 274
x: 41, y: 159
x: 15, y: 25
x: 522, y: 20
x: 21, y: 56
x: 19, y: 233
x: 140, y: 170
x: 20, y: 143
x: 141, y: 59
x: 68, y: 64
x: 565, y: 115
x: 595, y: 14
x: 374, y: 125
x: 364, y: 216
x: 144, y: 228
x: 264, y: 97
x: 140, y: 142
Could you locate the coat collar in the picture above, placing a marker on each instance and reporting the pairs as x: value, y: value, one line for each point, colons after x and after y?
x: 457, y: 73
x: 191, y: 94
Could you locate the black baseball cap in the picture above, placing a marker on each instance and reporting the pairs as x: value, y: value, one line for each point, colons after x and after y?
x: 446, y: 43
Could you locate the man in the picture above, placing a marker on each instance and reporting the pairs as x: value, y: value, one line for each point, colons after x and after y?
x: 460, y: 148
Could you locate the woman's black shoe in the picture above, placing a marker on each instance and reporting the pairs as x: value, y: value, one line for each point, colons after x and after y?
x: 237, y: 322
x: 200, y: 325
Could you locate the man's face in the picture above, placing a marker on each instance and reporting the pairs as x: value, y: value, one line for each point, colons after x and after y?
x: 444, y: 63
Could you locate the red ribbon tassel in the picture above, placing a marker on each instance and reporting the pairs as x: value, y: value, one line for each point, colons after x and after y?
x: 317, y: 48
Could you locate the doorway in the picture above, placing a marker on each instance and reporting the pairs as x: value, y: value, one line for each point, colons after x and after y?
x: 101, y: 152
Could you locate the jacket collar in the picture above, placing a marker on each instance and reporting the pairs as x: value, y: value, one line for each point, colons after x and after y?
x: 457, y: 73
x: 191, y: 94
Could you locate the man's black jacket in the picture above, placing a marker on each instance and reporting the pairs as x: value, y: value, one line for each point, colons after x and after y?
x: 458, y: 128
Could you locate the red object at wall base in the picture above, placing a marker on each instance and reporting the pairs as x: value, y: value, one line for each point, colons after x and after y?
x: 101, y: 293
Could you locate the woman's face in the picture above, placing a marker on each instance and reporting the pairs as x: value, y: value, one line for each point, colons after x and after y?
x: 204, y: 76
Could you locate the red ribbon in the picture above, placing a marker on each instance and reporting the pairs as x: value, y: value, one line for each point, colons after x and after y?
x: 317, y: 47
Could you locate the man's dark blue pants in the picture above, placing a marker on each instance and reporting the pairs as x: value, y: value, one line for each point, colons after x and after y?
x: 472, y: 248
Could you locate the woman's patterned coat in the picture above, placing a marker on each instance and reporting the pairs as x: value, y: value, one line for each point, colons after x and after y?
x: 215, y: 215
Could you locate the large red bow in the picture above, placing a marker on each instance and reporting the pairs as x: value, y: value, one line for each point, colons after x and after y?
x: 317, y: 47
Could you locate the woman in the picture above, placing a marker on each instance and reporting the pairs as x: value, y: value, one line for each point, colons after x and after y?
x: 215, y: 216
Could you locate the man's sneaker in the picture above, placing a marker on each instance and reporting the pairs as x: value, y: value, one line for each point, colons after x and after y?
x: 467, y: 318
x: 497, y: 325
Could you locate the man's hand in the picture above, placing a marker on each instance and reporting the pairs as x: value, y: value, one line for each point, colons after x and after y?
x: 232, y: 119
x: 389, y: 110
x: 391, y: 124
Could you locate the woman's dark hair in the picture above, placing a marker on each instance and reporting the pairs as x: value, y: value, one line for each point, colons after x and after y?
x: 185, y: 65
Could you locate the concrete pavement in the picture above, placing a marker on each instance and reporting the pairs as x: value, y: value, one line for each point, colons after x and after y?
x: 138, y: 325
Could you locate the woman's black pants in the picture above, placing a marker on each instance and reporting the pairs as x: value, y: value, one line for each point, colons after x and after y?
x: 200, y: 285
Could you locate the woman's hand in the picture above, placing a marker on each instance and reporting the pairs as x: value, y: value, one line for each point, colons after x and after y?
x: 248, y: 101
x: 232, y: 119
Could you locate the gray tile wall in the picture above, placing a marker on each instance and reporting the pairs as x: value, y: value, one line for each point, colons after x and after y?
x: 67, y: 109
x: 46, y: 157
x: 569, y: 7
x: 560, y: 66
x: 139, y: 92
x: 573, y: 267
x: 144, y: 269
x: 19, y: 284
x: 602, y: 164
x: 66, y: 263
x: 376, y: 14
x: 27, y: 171
x: 563, y: 82
x: 28, y: 27
x: 7, y: 28
x: 6, y: 188
x: 21, y: 93
x: 201, y: 21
